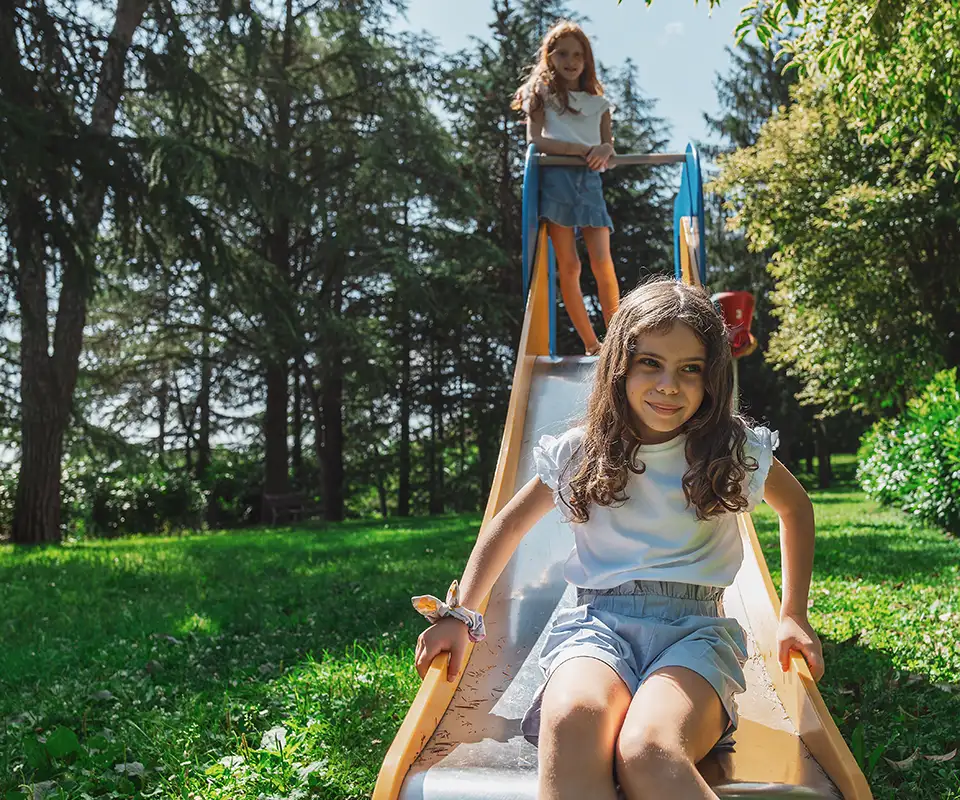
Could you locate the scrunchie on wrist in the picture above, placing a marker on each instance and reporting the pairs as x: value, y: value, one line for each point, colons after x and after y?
x: 434, y: 609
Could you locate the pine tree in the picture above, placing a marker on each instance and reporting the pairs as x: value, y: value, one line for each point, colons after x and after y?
x: 64, y: 169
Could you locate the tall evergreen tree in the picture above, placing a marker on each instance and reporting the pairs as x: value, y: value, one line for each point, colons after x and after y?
x: 65, y: 168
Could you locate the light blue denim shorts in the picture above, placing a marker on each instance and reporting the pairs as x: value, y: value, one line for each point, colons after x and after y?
x: 642, y: 626
x: 573, y: 197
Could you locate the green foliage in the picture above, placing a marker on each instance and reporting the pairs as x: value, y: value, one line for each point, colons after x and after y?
x: 139, y: 494
x: 889, y: 64
x: 913, y: 461
x: 867, y: 292
x: 116, y: 501
x: 755, y: 88
x: 232, y: 484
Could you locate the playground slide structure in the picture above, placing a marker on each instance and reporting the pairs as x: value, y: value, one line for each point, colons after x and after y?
x: 462, y: 741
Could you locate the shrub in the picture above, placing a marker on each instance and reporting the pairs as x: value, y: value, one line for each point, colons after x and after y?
x: 913, y: 461
x: 116, y: 501
x: 233, y: 482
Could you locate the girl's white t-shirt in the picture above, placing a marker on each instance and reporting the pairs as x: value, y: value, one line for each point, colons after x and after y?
x: 654, y: 535
x: 580, y: 123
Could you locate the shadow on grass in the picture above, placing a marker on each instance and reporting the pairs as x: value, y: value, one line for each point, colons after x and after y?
x: 878, y: 552
x: 318, y: 589
x: 894, y: 711
x: 196, y: 622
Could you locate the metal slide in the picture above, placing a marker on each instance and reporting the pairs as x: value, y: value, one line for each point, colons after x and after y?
x: 463, y: 742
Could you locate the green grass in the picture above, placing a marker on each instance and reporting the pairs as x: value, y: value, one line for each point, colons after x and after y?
x: 885, y: 601
x: 179, y: 655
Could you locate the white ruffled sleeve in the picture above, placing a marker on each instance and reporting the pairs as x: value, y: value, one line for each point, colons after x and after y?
x: 761, y: 442
x: 552, y: 457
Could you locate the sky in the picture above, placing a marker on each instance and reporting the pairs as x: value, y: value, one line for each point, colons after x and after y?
x: 676, y: 45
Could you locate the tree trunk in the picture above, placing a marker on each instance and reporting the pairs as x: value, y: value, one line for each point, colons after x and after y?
x: 403, y: 488
x: 297, y: 456
x: 332, y: 402
x: 43, y: 425
x: 332, y: 411
x: 48, y: 381
x: 485, y: 445
x: 824, y: 469
x: 187, y: 422
x: 276, y: 477
x: 464, y: 500
x: 379, y: 470
x: 437, y: 504
x: 203, y: 408
x: 163, y: 409
x: 277, y: 455
x: 382, y: 492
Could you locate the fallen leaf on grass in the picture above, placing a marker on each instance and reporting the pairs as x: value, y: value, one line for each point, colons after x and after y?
x: 41, y: 790
x: 906, y: 763
x: 134, y: 768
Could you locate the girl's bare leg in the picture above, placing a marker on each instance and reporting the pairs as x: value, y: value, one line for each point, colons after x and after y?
x: 601, y: 264
x: 583, y: 708
x: 675, y: 719
x: 568, y: 265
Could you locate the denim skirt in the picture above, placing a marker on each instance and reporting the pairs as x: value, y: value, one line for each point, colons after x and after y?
x: 642, y: 626
x: 573, y: 197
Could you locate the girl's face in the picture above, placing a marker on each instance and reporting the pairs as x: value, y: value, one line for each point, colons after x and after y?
x: 567, y: 60
x: 665, y: 382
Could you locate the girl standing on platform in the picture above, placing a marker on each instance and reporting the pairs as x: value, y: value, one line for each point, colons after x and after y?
x: 568, y: 115
x: 641, y: 675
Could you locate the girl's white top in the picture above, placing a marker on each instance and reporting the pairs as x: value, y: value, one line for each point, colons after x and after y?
x: 654, y: 535
x: 580, y: 123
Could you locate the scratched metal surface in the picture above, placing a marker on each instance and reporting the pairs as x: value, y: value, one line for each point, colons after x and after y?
x: 477, y: 751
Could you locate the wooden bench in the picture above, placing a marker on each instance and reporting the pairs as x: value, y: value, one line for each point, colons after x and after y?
x: 291, y: 507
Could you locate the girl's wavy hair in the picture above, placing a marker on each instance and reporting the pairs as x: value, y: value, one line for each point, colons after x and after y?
x: 608, y: 452
x: 543, y: 81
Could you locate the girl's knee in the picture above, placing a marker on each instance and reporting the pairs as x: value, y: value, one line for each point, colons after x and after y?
x: 603, y: 270
x: 568, y: 266
x: 570, y: 714
x: 644, y: 753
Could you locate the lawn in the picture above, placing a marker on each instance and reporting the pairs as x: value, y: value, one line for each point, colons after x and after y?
x: 276, y: 664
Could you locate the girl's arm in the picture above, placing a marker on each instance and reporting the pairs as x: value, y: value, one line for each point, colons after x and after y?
x: 599, y: 156
x: 788, y: 498
x: 498, y: 540
x: 606, y: 129
x: 495, y: 545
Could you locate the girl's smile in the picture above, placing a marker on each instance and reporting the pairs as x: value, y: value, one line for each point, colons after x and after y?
x: 665, y: 382
x: 664, y: 410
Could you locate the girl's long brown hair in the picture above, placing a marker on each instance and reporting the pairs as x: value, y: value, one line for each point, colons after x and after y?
x: 717, y: 464
x: 543, y: 81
